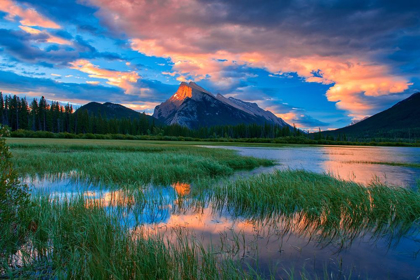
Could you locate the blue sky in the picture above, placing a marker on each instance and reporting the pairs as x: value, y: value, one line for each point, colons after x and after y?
x: 313, y: 63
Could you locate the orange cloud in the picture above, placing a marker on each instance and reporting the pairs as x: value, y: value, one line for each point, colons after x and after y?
x: 198, y: 65
x: 28, y: 16
x: 141, y: 107
x: 124, y: 80
x: 351, y: 79
x: 50, y: 39
x: 92, y: 82
x: 287, y: 116
x: 202, y: 43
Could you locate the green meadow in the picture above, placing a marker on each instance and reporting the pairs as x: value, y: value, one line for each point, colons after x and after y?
x: 74, y: 238
x: 118, y: 161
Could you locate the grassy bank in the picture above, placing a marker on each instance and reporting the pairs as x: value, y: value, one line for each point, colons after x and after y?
x: 390, y: 163
x: 116, y: 161
x: 77, y: 238
x: 302, y: 139
x: 68, y: 240
x: 315, y: 204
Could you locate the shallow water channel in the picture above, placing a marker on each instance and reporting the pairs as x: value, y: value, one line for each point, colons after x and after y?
x: 279, y: 244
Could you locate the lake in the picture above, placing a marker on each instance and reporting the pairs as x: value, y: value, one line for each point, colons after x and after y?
x: 279, y: 244
x: 346, y: 162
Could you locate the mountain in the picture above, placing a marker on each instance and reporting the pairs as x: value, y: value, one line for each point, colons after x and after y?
x: 401, y: 120
x: 193, y: 106
x: 251, y: 108
x: 111, y: 110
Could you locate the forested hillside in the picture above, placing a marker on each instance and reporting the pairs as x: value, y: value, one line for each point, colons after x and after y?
x: 39, y: 115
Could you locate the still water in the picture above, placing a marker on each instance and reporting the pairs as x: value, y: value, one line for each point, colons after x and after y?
x: 346, y: 162
x: 277, y: 245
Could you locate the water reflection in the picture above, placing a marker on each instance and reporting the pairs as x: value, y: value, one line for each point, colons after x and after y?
x: 341, y: 161
x: 285, y: 241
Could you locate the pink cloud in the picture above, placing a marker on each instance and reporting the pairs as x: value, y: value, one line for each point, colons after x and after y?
x: 50, y: 38
x: 201, y: 46
x: 144, y: 106
x: 28, y: 16
x: 93, y: 82
x: 124, y: 80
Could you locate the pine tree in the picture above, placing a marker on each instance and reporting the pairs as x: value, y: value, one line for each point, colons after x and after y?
x: 42, y: 115
x: 1, y: 108
x: 34, y: 115
x: 24, y: 114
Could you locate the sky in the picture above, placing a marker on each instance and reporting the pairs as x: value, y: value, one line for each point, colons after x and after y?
x: 316, y: 64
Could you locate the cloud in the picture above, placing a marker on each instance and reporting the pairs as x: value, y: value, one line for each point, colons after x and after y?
x: 81, y: 93
x: 299, y: 118
x: 27, y: 16
x: 20, y: 45
x: 334, y: 44
x: 93, y: 82
x: 147, y: 107
x: 124, y: 80
x: 50, y: 38
x: 77, y: 93
x: 290, y: 114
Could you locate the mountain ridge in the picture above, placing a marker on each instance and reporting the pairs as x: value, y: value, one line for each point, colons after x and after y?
x: 112, y: 110
x: 193, y: 106
x: 404, y: 115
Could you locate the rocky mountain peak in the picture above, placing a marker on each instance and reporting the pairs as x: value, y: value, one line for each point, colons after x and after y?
x: 193, y: 106
x: 187, y: 90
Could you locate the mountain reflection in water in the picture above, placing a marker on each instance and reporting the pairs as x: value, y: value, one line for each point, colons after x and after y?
x: 283, y: 241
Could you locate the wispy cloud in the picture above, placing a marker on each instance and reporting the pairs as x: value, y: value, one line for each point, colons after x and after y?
x: 50, y: 38
x: 204, y: 38
x: 27, y: 16
x: 124, y: 80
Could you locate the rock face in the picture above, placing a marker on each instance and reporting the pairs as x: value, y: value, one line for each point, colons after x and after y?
x: 253, y: 109
x: 193, y: 107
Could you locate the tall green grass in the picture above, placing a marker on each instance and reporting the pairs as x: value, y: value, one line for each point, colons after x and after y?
x: 115, y: 162
x: 76, y: 239
x: 69, y: 239
x: 320, y: 206
x: 390, y: 163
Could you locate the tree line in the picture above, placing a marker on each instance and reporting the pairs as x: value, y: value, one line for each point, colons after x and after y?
x: 40, y: 115
x: 32, y: 119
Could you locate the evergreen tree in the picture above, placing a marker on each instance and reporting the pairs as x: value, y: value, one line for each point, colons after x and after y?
x: 42, y: 114
x: 1, y: 108
x: 34, y: 115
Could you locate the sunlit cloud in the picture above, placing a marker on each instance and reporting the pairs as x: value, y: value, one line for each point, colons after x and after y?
x: 279, y: 52
x: 169, y: 73
x: 50, y: 38
x: 288, y: 117
x: 93, y: 82
x: 124, y: 80
x: 351, y: 81
x: 143, y: 107
x: 201, y: 42
x: 27, y: 16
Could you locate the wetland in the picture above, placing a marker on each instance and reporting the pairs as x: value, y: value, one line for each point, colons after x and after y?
x: 159, y: 210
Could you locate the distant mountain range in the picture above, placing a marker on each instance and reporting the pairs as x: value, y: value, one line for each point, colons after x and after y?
x: 400, y: 120
x: 193, y: 106
x: 112, y: 111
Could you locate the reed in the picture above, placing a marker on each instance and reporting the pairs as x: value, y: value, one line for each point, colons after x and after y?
x: 70, y: 240
x: 119, y: 162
